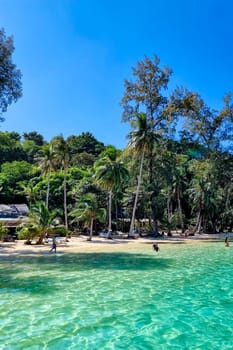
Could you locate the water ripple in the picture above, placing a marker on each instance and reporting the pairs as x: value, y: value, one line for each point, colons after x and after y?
x: 181, y: 299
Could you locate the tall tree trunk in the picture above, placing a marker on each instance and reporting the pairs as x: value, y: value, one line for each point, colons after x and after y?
x: 197, y: 228
x: 152, y: 218
x: 116, y: 214
x: 65, y: 204
x: 41, y: 237
x: 47, y: 192
x: 214, y: 228
x: 109, y: 212
x: 136, y: 196
x: 180, y: 210
x: 199, y: 224
x: 169, y: 213
x: 91, y: 229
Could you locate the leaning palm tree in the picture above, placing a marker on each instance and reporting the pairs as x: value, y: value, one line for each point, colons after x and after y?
x: 41, y: 218
x: 110, y: 174
x: 141, y: 141
x: 47, y: 164
x: 87, y: 211
x: 62, y: 155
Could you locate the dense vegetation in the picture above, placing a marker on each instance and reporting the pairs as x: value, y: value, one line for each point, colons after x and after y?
x: 176, y: 171
x: 10, y: 76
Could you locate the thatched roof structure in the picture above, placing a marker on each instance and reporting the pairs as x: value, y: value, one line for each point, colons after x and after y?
x: 11, y: 215
x: 13, y: 210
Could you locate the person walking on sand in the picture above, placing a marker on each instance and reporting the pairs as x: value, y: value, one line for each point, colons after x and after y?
x: 54, y: 245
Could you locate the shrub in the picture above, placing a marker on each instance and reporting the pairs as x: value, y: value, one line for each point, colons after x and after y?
x: 3, y: 231
x: 58, y: 231
x: 28, y: 233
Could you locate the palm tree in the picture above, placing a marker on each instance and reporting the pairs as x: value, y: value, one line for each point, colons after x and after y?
x: 41, y: 218
x: 204, y: 194
x: 141, y: 141
x: 30, y: 191
x: 62, y: 155
x: 110, y: 174
x: 87, y: 211
x: 178, y: 181
x: 224, y: 170
x: 47, y: 164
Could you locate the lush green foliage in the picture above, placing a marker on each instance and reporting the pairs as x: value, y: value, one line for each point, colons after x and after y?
x: 10, y: 76
x: 28, y: 232
x: 166, y: 177
x: 41, y: 219
x: 88, y: 210
x: 3, y: 231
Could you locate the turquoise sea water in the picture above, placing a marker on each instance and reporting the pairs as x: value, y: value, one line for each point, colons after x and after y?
x: 181, y: 298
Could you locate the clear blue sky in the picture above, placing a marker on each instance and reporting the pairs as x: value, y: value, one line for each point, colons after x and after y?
x: 75, y: 55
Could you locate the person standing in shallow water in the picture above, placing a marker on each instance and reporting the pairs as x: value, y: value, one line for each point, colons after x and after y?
x: 226, y: 242
x: 54, y: 245
x: 156, y: 247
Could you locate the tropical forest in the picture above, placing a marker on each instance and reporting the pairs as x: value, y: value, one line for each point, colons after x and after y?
x: 175, y: 172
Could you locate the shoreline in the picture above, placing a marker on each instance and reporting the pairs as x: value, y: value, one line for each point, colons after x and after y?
x: 98, y: 244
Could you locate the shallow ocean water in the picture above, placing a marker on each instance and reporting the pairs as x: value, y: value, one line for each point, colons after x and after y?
x: 180, y: 298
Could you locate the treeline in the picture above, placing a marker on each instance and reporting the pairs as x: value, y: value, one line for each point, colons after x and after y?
x: 185, y: 187
x: 176, y: 171
x: 27, y: 159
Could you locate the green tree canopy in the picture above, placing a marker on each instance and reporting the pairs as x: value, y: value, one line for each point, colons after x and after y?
x: 10, y: 76
x: 10, y: 147
x: 84, y: 143
x: 11, y: 175
x: 146, y: 93
x: 88, y: 210
x: 34, y: 136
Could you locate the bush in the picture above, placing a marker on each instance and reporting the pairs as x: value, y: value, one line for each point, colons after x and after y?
x: 58, y: 231
x: 28, y: 233
x: 3, y: 231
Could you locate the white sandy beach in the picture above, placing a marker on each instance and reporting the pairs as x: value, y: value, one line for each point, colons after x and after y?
x: 98, y: 244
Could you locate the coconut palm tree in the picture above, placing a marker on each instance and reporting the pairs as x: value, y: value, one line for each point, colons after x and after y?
x: 178, y: 182
x: 30, y: 190
x: 61, y: 148
x: 204, y: 193
x: 141, y: 141
x: 41, y: 218
x: 47, y: 164
x: 88, y: 211
x: 110, y: 174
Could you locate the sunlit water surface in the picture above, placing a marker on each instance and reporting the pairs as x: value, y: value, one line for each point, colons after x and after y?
x: 181, y: 298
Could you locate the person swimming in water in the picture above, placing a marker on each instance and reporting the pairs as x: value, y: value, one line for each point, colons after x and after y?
x: 156, y: 247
